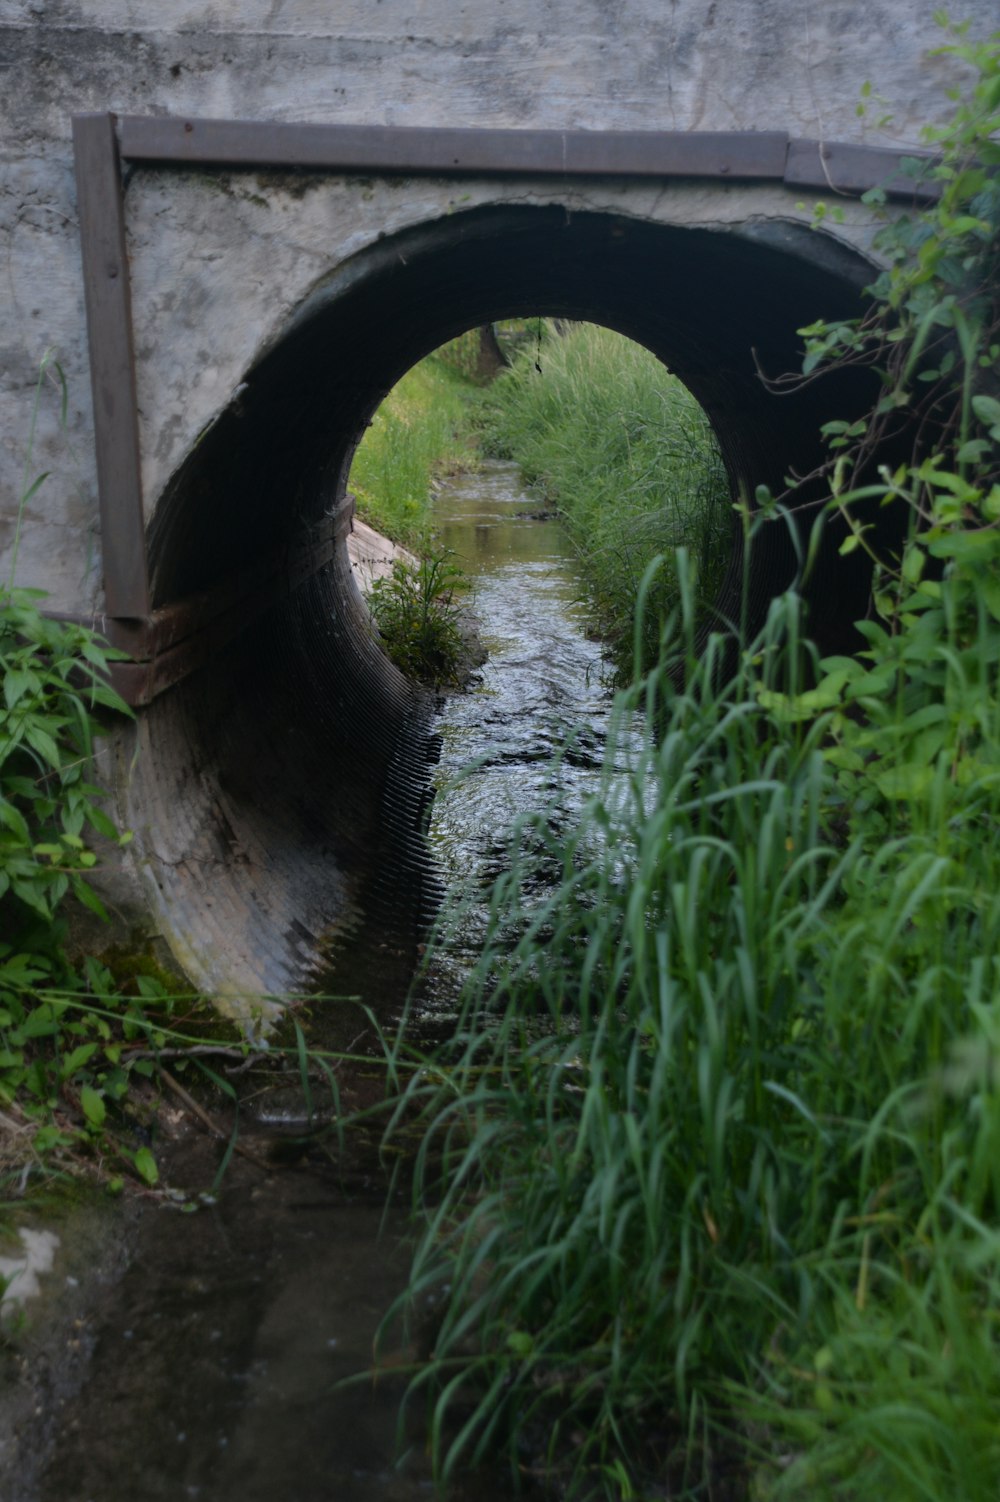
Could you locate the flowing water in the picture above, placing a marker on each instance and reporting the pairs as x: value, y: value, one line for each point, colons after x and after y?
x: 219, y: 1360
x: 531, y: 734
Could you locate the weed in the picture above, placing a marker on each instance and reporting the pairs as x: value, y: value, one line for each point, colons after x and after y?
x: 419, y: 618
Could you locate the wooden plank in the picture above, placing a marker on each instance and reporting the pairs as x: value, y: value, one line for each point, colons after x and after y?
x: 112, y: 364
x: 839, y: 167
x: 410, y: 149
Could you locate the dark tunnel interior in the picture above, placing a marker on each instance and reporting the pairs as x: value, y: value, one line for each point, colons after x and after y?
x: 280, y: 790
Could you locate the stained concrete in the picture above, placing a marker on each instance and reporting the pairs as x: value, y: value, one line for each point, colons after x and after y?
x: 220, y: 264
x: 277, y: 795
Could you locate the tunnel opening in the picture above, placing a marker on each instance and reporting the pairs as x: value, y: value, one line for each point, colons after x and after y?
x: 280, y: 791
x: 603, y: 436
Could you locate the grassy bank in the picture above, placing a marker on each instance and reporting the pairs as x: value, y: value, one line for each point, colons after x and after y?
x: 422, y: 429
x: 710, y: 1172
x: 713, y: 1160
x: 609, y: 437
x: 626, y: 454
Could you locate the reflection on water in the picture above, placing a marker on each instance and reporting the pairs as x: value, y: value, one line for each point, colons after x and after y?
x: 531, y: 734
x: 216, y: 1373
x: 215, y: 1369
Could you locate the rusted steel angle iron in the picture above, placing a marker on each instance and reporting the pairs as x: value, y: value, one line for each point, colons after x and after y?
x: 845, y: 168
x: 766, y: 155
x: 112, y: 364
x: 408, y: 149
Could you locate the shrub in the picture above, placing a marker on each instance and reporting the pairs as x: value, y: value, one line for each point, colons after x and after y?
x: 57, y: 1040
x: 54, y: 681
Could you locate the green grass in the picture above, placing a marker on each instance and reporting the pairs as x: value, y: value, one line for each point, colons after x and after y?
x: 417, y: 609
x: 627, y: 455
x: 420, y: 430
x: 709, y: 1176
x: 713, y: 1161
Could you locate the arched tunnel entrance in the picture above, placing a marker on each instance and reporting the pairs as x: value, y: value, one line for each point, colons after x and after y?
x: 278, y: 792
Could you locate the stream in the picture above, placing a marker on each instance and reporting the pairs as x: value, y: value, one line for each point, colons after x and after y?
x: 217, y: 1363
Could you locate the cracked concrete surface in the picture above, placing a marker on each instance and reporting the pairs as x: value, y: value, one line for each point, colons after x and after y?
x: 219, y: 264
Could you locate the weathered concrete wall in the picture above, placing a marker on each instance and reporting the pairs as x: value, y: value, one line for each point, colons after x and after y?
x: 277, y: 793
x: 218, y: 264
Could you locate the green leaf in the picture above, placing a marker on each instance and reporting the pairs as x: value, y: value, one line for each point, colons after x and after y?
x: 966, y: 546
x: 989, y: 587
x: 75, y: 1060
x: 145, y: 1165
x: 31, y: 897
x: 14, y: 820
x: 100, y: 821
x: 85, y: 894
x: 99, y: 977
x: 987, y: 409
x: 908, y: 782
x: 34, y: 487
x: 914, y: 559
x: 41, y: 741
x: 95, y: 1111
x: 17, y: 681
x: 40, y: 1023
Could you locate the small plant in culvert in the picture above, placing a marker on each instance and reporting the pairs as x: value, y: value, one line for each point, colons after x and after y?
x: 418, y: 609
x: 710, y: 1173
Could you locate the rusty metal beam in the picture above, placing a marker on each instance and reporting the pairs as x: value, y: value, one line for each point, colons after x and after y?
x: 112, y: 365
x: 409, y: 149
x: 762, y: 155
x: 843, y: 168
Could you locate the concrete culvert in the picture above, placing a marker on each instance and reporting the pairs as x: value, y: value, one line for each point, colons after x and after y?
x: 279, y: 791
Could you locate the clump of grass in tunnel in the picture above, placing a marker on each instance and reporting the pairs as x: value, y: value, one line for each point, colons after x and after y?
x: 420, y: 430
x: 629, y: 458
x: 418, y: 613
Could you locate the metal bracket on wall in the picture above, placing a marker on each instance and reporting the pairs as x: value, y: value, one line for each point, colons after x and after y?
x: 102, y: 141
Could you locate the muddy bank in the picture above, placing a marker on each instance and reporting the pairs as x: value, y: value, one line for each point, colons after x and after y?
x: 217, y: 1340
x: 47, y: 1340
